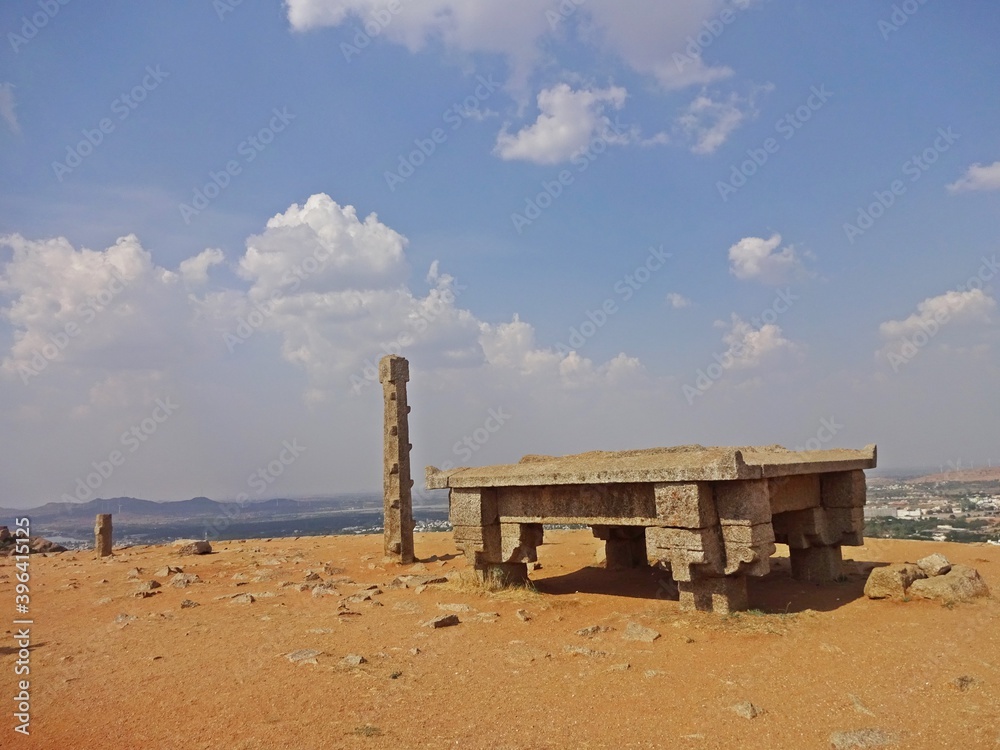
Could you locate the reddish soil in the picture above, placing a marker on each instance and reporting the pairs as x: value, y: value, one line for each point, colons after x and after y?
x: 112, y: 671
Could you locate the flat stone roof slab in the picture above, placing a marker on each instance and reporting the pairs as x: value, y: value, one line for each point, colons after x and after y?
x: 683, y: 463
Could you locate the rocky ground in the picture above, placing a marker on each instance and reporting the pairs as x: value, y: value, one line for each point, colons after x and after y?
x: 316, y: 643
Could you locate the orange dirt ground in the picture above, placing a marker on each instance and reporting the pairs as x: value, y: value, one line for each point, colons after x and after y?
x: 816, y: 660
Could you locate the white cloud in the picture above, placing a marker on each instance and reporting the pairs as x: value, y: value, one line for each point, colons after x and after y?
x: 567, y: 122
x: 8, y: 107
x: 972, y: 306
x: 748, y: 346
x: 678, y: 301
x: 978, y: 177
x: 757, y: 259
x: 708, y: 122
x: 98, y: 311
x: 194, y: 271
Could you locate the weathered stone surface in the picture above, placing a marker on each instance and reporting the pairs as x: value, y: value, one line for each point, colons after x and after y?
x: 721, y: 595
x: 393, y: 373
x: 743, y: 501
x: 473, y: 507
x: 519, y: 542
x: 857, y: 739
x: 747, y: 710
x: 353, y: 660
x: 960, y: 584
x: 934, y: 565
x: 188, y: 604
x: 304, y: 656
x: 195, y: 548
x: 102, y: 534
x: 183, y: 580
x: 636, y: 632
x: 242, y: 599
x: 892, y: 581
x: 684, y: 548
x: 688, y: 505
x: 796, y: 492
x: 820, y: 564
x: 609, y: 504
x: 747, y: 535
x: 685, y: 463
x: 843, y: 489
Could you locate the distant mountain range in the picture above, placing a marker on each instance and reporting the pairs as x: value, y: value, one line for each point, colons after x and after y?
x: 982, y: 474
x: 129, y: 511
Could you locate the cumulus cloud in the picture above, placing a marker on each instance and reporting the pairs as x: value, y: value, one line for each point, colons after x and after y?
x: 96, y: 310
x: 567, y: 122
x: 678, y: 301
x: 708, y: 122
x: 749, y: 346
x: 971, y: 306
x: 194, y: 271
x: 757, y: 259
x: 8, y: 107
x: 978, y: 177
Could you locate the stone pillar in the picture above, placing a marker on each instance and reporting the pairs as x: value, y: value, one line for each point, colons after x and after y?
x: 102, y: 534
x: 624, y: 546
x: 393, y: 373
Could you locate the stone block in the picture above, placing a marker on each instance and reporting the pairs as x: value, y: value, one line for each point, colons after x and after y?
x: 843, y: 489
x: 934, y: 565
x: 720, y: 595
x: 688, y: 505
x: 960, y: 584
x: 892, y: 581
x: 684, y: 548
x: 747, y: 535
x: 820, y: 564
x: 591, y: 504
x: 519, y: 542
x: 479, y: 542
x: 745, y: 500
x: 473, y: 507
x: 794, y: 492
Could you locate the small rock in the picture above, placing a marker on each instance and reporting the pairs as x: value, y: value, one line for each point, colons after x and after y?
x: 144, y: 594
x: 148, y: 586
x: 414, y: 651
x: 892, y: 581
x: 862, y: 738
x: 653, y: 673
x: 747, y: 710
x: 242, y: 599
x: 124, y: 619
x: 455, y: 607
x: 167, y: 571
x: 636, y: 632
x: 303, y: 656
x: 582, y: 651
x: 183, y: 580
x: 593, y: 630
x: 623, y: 667
x: 413, y: 581
x: 195, y: 548
x: 105, y: 600
x: 487, y: 616
x: 353, y: 660
x: 312, y: 575
x: 324, y: 590
x: 187, y: 604
x: 522, y: 615
x: 960, y: 584
x: 934, y: 565
x: 443, y: 621
x: 134, y: 573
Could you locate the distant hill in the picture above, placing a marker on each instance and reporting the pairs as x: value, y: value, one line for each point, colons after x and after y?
x: 984, y: 474
x: 131, y: 510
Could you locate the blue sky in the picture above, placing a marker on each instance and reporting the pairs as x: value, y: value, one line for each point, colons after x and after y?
x: 621, y: 224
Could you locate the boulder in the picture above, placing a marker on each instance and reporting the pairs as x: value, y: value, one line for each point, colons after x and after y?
x: 892, y: 581
x: 934, y: 565
x: 960, y: 584
x: 195, y: 548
